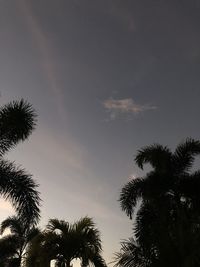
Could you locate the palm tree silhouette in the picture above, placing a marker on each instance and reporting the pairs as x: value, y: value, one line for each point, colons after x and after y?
x: 14, y: 245
x: 17, y: 121
x: 64, y: 242
x: 167, y: 223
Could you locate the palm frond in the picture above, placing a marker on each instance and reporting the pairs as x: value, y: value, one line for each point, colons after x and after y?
x: 19, y: 239
x: 130, y: 194
x: 78, y: 240
x: 96, y: 260
x: 55, y: 224
x: 184, y: 155
x: 8, y: 246
x: 40, y: 250
x: 88, y: 233
x: 14, y: 224
x: 83, y: 223
x: 17, y: 121
x: 19, y: 187
x: 32, y: 233
x: 167, y: 225
x: 157, y: 155
x: 189, y: 187
x: 130, y: 255
x: 146, y: 222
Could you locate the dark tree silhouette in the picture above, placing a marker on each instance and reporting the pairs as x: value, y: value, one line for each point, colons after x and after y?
x: 13, y: 246
x: 17, y: 121
x: 64, y: 242
x: 167, y: 226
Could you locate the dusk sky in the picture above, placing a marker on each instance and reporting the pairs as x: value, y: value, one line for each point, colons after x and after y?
x: 106, y: 77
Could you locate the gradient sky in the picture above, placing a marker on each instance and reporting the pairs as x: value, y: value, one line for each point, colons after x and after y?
x: 106, y: 77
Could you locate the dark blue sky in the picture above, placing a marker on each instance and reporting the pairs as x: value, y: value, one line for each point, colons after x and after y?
x: 106, y: 78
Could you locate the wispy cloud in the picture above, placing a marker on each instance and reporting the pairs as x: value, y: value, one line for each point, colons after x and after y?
x: 126, y: 106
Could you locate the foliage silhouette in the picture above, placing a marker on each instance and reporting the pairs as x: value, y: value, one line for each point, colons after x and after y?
x: 64, y: 242
x: 14, y: 244
x: 167, y: 226
x: 130, y: 255
x: 17, y: 121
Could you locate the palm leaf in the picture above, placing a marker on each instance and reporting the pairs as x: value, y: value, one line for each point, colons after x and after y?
x: 18, y: 186
x: 130, y: 255
x: 93, y: 258
x: 83, y: 223
x: 158, y: 156
x: 14, y: 224
x: 17, y: 121
x: 78, y: 240
x: 32, y: 233
x: 8, y: 247
x: 184, y: 155
x: 55, y: 224
x: 130, y: 194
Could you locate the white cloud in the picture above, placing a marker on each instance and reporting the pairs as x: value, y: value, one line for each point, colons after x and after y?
x: 125, y: 106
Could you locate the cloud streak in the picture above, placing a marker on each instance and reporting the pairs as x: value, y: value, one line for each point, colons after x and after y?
x: 44, y: 49
x: 125, y: 106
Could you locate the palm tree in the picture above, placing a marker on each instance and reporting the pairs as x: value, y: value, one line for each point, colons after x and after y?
x: 64, y: 242
x: 130, y: 255
x: 17, y: 121
x: 8, y: 246
x: 15, y: 244
x: 167, y: 226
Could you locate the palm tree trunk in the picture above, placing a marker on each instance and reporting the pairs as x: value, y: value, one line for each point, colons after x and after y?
x: 62, y: 264
x: 67, y: 264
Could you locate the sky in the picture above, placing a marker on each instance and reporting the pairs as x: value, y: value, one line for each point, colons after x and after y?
x: 106, y: 77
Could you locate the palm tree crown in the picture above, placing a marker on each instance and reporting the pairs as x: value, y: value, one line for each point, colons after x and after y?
x: 167, y: 222
x: 17, y: 241
x: 64, y: 242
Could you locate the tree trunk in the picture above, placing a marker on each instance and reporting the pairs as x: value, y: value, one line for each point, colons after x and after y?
x: 68, y: 263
